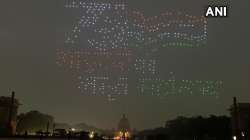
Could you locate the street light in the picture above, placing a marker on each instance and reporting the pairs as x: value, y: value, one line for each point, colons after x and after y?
x: 73, y: 129
x: 91, y: 135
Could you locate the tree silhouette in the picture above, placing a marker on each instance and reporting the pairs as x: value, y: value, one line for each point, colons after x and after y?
x: 34, y: 121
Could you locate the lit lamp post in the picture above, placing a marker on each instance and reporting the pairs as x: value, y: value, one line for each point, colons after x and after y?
x: 91, y: 134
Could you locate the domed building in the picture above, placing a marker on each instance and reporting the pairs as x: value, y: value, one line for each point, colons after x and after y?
x: 123, y: 129
x: 124, y: 125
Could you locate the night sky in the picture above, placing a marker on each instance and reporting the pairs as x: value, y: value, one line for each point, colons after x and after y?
x: 32, y: 30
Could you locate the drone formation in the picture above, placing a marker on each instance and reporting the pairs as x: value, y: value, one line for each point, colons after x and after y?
x: 161, y: 87
x: 111, y: 42
x: 113, y: 25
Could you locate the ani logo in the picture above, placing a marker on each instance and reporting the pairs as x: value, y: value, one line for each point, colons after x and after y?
x: 216, y: 11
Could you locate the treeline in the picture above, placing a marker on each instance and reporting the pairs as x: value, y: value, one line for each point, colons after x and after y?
x: 191, y: 128
x: 34, y: 121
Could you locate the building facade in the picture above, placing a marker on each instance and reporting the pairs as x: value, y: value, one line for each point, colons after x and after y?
x: 240, y: 113
x: 8, y: 115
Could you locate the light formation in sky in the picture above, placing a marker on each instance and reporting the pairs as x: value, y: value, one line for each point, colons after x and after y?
x: 109, y: 43
x: 112, y: 24
x: 171, y: 86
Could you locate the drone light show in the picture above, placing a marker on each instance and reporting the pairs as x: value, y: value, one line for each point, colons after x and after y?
x: 124, y: 69
x: 110, y: 43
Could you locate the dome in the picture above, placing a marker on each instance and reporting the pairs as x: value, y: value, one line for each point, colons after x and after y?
x: 123, y: 124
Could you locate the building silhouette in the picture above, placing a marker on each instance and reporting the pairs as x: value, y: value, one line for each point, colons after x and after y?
x: 123, y: 128
x: 124, y: 125
x: 240, y: 113
x: 8, y: 115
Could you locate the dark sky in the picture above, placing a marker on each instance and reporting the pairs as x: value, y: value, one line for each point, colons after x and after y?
x: 31, y: 30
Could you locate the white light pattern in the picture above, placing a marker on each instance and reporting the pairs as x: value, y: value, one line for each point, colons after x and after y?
x: 107, y: 42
